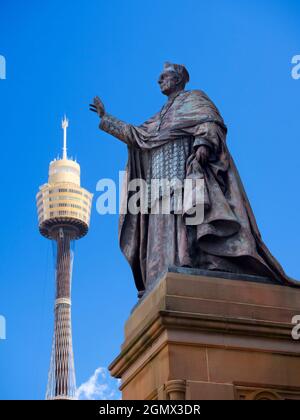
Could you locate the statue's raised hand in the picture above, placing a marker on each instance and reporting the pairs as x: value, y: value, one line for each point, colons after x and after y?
x: 97, y: 107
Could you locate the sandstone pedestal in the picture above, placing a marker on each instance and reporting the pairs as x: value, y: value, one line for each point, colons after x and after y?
x: 207, y: 337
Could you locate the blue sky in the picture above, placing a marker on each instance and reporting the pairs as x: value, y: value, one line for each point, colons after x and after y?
x: 60, y: 54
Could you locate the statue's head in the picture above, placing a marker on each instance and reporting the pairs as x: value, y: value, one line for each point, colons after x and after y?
x: 173, y: 78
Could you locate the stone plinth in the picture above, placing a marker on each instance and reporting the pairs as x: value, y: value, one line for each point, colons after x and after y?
x: 207, y: 337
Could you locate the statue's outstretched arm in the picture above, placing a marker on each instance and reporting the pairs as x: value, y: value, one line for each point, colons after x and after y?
x: 112, y: 125
x: 117, y: 128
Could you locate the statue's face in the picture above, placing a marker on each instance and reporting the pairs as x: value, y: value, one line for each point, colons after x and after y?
x: 168, y: 82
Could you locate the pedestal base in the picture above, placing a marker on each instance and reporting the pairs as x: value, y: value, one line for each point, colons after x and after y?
x: 198, y: 337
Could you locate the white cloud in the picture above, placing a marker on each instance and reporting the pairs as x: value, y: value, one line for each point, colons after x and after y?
x: 100, y: 386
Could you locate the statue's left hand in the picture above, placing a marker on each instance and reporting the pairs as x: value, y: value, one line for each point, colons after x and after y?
x: 202, y: 154
x: 98, y: 107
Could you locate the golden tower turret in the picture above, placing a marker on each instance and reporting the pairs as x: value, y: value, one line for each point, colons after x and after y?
x: 64, y: 209
x: 62, y: 201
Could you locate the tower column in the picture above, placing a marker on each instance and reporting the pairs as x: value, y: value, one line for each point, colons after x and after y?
x: 62, y: 383
x: 64, y: 262
x: 65, y: 383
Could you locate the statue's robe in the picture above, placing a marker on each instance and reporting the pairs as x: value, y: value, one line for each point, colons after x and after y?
x: 228, y: 239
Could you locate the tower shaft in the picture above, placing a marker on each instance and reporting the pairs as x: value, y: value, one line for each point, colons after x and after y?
x: 63, y: 264
x: 61, y: 382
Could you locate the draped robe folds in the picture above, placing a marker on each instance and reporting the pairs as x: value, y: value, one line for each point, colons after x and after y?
x: 228, y: 239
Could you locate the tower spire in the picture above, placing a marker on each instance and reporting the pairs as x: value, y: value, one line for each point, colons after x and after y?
x: 65, y: 125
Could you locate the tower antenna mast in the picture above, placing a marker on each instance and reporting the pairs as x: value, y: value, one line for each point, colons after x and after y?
x: 65, y: 125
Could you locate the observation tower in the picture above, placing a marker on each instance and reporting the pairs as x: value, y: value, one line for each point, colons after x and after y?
x: 64, y: 215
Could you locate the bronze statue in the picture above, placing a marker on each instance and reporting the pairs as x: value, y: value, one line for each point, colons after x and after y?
x: 187, y: 138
